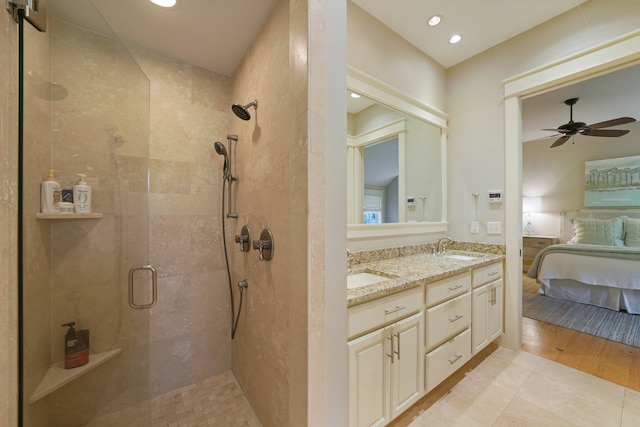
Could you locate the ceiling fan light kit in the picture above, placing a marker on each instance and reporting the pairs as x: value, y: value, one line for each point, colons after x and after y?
x: 572, y: 128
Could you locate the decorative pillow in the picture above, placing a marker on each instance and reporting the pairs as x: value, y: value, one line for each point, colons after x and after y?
x: 632, y: 229
x: 591, y: 231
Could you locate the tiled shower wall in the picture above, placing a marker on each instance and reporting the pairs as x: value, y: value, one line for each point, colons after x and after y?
x: 8, y: 224
x: 270, y: 352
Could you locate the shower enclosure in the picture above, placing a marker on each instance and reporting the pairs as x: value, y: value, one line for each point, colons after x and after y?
x: 86, y: 110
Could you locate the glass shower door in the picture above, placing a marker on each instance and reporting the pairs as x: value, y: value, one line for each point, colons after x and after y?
x: 86, y: 112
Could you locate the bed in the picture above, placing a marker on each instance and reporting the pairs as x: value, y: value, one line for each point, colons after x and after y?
x: 598, y: 262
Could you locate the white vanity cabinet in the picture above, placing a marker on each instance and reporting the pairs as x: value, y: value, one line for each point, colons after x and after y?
x: 447, y: 323
x: 385, y: 365
x: 488, y: 307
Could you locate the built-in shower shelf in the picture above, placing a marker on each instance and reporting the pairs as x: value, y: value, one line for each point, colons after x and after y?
x: 56, y: 215
x: 57, y: 376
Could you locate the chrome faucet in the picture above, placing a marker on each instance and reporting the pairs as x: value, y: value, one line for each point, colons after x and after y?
x: 441, y: 245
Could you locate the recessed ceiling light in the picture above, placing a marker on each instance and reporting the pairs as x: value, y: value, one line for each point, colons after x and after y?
x: 354, y: 95
x: 455, y: 38
x: 434, y: 20
x: 164, y: 3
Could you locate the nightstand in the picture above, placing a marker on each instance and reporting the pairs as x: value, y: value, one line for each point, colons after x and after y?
x: 531, y: 245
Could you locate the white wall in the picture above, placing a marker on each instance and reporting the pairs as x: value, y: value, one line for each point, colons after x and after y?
x: 558, y: 176
x: 476, y: 109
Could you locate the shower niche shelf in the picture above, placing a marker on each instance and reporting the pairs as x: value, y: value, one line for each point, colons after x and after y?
x: 57, y: 376
x: 56, y: 215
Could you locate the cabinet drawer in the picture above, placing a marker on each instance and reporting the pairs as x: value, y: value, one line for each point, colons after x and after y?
x: 487, y: 274
x: 448, y: 288
x: 446, y: 359
x: 447, y: 319
x: 538, y: 242
x: 372, y: 315
x: 529, y: 253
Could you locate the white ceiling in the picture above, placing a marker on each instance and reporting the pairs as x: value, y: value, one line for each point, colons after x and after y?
x: 215, y: 34
x: 481, y: 23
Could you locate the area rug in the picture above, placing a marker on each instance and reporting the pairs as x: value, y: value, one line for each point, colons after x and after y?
x: 613, y: 325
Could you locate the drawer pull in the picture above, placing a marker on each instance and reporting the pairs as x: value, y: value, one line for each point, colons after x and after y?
x: 457, y: 357
x: 458, y: 317
x: 398, y: 308
x: 455, y: 287
x: 493, y: 273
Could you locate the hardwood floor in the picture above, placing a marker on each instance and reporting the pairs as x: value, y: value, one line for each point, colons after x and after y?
x: 615, y: 362
x: 612, y: 361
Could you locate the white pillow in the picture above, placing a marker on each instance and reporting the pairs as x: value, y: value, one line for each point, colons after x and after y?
x: 632, y: 232
x: 591, y: 231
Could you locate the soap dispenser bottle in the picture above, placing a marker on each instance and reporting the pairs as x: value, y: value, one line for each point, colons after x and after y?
x: 76, y: 347
x: 50, y: 194
x: 82, y: 195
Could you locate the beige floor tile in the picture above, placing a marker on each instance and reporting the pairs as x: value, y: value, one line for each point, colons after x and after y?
x: 631, y: 409
x: 574, y: 396
x: 588, y: 383
x: 520, y: 413
x: 473, y: 402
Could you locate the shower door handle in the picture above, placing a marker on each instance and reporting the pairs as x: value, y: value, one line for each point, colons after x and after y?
x: 154, y: 287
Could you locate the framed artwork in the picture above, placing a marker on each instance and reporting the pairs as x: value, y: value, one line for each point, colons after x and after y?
x: 612, y: 182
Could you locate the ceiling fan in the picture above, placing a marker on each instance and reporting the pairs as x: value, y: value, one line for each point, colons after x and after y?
x: 580, y: 128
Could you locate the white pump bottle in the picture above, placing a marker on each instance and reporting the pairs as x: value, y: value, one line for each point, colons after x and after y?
x: 82, y: 195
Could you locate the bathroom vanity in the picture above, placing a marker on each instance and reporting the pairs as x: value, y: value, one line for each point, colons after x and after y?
x: 413, y: 321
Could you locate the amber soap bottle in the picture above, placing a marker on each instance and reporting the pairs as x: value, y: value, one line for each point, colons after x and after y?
x: 76, y: 347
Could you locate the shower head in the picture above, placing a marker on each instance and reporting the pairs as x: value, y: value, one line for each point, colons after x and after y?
x: 219, y: 146
x: 242, y: 110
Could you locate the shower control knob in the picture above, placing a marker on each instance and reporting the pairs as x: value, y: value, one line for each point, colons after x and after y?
x: 265, y: 245
x: 244, y: 239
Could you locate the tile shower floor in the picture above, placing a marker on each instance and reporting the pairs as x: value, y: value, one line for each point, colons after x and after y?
x: 217, y: 401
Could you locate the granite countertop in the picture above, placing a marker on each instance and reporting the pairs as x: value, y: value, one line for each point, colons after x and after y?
x: 408, y: 272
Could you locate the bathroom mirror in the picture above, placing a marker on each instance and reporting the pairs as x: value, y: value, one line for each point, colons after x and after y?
x: 396, y: 148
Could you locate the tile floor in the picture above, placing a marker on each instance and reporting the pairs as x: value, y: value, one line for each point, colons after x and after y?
x: 522, y: 389
x: 217, y: 401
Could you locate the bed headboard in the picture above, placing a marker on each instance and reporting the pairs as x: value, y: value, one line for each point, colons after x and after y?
x: 566, y: 233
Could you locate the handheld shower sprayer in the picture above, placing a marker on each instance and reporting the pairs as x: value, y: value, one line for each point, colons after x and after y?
x: 221, y: 150
x: 242, y: 110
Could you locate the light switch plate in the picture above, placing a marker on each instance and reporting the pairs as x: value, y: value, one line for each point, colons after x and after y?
x: 474, y: 228
x: 494, y: 227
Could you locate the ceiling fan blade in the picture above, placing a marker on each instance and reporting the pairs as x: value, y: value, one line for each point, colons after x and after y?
x: 607, y: 133
x: 613, y: 122
x: 560, y: 141
x: 553, y: 130
x: 544, y: 138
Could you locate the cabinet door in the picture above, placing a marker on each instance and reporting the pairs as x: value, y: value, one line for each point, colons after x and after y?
x: 496, y: 311
x: 369, y: 380
x: 479, y: 323
x: 406, y: 369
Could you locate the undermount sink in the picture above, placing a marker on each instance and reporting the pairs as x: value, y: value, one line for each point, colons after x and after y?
x: 363, y: 279
x: 460, y: 257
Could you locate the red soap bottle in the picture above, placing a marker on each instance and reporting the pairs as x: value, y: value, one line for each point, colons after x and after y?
x: 76, y: 347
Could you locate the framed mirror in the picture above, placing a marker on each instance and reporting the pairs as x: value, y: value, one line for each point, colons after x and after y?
x: 396, y: 154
